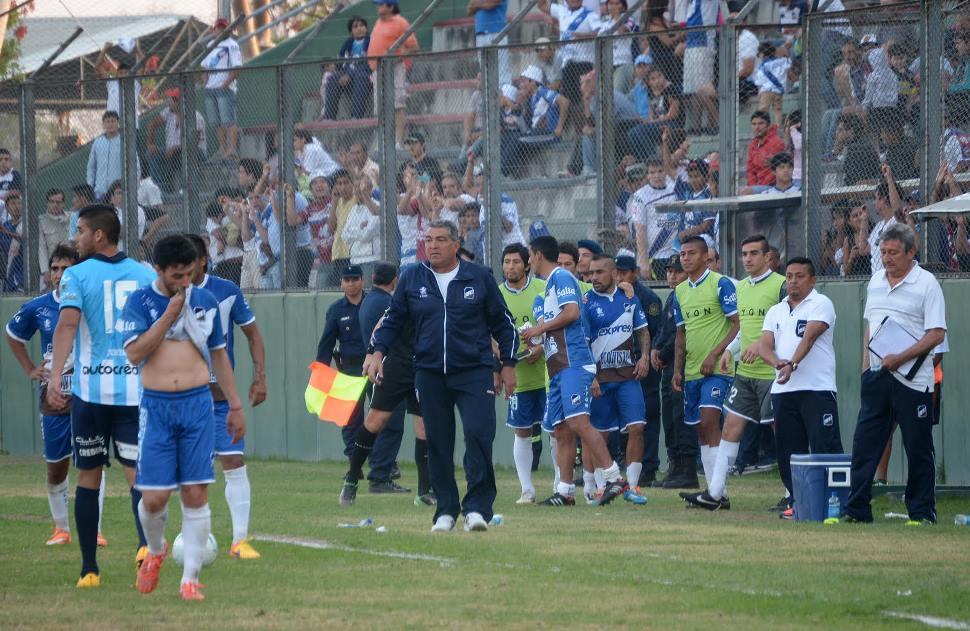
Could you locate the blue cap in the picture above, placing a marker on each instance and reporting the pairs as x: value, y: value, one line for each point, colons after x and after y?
x: 352, y: 271
x: 590, y: 245
x: 646, y: 58
x: 385, y: 1
x: 538, y: 229
x: 626, y: 263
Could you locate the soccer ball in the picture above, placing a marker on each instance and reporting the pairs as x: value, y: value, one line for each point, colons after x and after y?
x: 211, y: 550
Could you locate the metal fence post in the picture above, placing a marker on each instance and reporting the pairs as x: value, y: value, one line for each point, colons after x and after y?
x: 28, y: 167
x: 931, y: 105
x: 492, y: 193
x: 728, y: 138
x: 287, y: 175
x: 605, y: 145
x: 813, y: 141
x: 388, y: 152
x: 130, y: 174
x: 190, y: 155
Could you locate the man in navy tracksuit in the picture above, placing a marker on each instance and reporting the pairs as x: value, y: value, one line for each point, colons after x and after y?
x: 457, y: 310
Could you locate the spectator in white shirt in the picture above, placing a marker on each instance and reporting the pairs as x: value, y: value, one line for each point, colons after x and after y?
x: 310, y: 156
x: 223, y: 63
x: 574, y: 22
x: 362, y: 231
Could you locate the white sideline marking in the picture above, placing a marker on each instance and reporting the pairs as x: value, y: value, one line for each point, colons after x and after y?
x: 320, y: 544
x: 930, y: 621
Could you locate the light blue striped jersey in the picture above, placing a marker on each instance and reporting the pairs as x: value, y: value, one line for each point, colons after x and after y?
x: 233, y: 308
x: 99, y: 287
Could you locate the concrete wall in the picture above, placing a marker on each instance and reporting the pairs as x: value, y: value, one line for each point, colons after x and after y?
x: 291, y: 323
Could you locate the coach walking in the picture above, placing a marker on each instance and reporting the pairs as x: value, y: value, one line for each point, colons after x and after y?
x: 457, y: 309
x: 899, y: 385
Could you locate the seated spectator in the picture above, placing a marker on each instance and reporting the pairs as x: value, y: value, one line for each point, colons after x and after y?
x: 625, y: 117
x: 548, y: 109
x: 309, y: 156
x: 225, y: 247
x: 357, y: 163
x: 902, y: 152
x: 657, y: 105
x: 666, y: 47
x: 424, y: 165
x: 116, y: 197
x: 861, y: 162
x: 955, y: 143
x: 549, y: 62
x: 961, y: 75
x: 772, y: 78
x: 882, y: 87
x: 747, y: 62
x: 471, y: 231
x: 165, y: 165
x: 53, y: 228
x: 351, y: 78
x: 10, y: 177
x: 855, y: 257
x: 513, y: 125
x: 622, y: 46
x: 11, y: 244
x: 763, y: 146
x: 81, y: 195
x: 834, y: 238
x: 782, y: 169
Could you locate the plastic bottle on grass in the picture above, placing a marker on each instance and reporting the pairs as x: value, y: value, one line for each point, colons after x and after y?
x: 835, y: 506
x: 961, y: 520
x: 363, y: 523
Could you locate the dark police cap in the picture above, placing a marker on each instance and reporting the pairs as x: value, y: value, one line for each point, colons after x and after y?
x: 674, y: 263
x: 626, y: 263
x: 590, y: 245
x: 352, y: 271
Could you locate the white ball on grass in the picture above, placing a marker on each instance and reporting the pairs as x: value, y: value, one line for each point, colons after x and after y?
x: 211, y: 550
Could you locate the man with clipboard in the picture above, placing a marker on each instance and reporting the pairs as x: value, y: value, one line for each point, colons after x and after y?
x: 905, y: 321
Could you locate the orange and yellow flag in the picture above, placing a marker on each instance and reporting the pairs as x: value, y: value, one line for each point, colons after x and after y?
x: 332, y: 396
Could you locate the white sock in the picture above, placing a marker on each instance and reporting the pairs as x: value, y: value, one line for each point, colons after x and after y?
x: 555, y: 463
x: 708, y: 456
x: 589, y: 483
x: 196, y: 525
x: 153, y: 524
x: 612, y: 473
x: 57, y: 498
x: 598, y: 478
x: 238, y: 498
x: 633, y: 473
x: 104, y: 478
x: 522, y: 455
x: 727, y: 453
x: 564, y: 488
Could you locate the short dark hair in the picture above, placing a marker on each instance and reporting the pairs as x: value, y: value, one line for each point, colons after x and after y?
x: 339, y: 173
x: 114, y: 186
x: 63, y: 251
x: 201, y: 249
x: 227, y: 191
x: 175, y: 249
x: 252, y: 166
x: 779, y: 159
x: 516, y: 248
x: 85, y: 191
x: 757, y: 238
x: 766, y: 49
x: 303, y: 134
x: 801, y: 260
x: 54, y: 191
x: 547, y: 246
x: 104, y: 218
x: 763, y: 115
x: 696, y: 239
x: 569, y: 248
x: 4, y: 151
x: 854, y: 123
x: 110, y: 114
x: 384, y: 273
x: 354, y: 20
x: 213, y: 209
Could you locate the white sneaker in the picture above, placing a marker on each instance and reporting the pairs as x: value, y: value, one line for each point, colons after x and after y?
x: 474, y: 522
x: 527, y: 497
x: 444, y: 523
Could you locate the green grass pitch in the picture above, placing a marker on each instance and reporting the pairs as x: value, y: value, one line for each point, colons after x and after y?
x: 656, y: 566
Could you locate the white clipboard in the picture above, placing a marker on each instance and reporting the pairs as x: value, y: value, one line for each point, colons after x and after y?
x: 890, y: 339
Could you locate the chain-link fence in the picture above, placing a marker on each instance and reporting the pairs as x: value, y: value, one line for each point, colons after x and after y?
x: 293, y: 172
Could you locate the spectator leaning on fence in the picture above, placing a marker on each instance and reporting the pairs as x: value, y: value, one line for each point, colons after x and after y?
x: 388, y: 28
x: 223, y: 63
x: 352, y: 76
x: 763, y: 146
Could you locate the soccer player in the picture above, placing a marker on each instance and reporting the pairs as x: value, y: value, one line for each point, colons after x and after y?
x: 618, y: 403
x: 233, y: 309
x: 528, y: 404
x: 173, y: 331
x: 40, y: 316
x: 706, y: 314
x: 106, y: 387
x: 571, y: 368
x: 750, y: 398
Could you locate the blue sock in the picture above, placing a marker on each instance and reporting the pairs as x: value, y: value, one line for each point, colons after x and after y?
x: 86, y: 518
x: 135, y: 498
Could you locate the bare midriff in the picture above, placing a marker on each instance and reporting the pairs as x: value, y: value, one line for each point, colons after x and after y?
x: 175, y: 366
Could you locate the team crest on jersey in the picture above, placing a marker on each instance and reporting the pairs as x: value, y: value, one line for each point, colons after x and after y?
x: 653, y: 309
x: 800, y: 327
x: 422, y: 292
x: 599, y: 312
x: 921, y: 411
x: 469, y: 293
x: 828, y: 420
x: 628, y: 307
x: 716, y: 392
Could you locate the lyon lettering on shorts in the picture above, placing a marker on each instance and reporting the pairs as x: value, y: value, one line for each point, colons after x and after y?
x: 568, y: 396
x: 707, y: 392
x: 619, y: 406
x: 177, y: 439
x: 526, y: 409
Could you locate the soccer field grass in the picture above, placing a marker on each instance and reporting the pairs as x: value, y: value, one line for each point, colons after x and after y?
x: 656, y: 566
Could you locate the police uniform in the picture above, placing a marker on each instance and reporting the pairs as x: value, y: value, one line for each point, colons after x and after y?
x: 917, y: 305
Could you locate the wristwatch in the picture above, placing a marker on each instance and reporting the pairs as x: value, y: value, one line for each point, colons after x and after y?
x: 794, y: 366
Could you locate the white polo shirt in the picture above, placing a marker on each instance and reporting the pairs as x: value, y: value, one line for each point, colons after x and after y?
x: 589, y: 24
x: 817, y: 370
x: 916, y: 304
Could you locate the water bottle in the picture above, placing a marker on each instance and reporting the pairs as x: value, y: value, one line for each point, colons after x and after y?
x: 835, y: 506
x: 497, y: 520
x: 961, y: 520
x: 363, y: 523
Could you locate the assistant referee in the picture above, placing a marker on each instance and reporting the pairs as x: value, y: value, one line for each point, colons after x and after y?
x: 457, y: 310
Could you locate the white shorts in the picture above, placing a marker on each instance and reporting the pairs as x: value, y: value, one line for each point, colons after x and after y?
x: 400, y: 83
x: 698, y: 68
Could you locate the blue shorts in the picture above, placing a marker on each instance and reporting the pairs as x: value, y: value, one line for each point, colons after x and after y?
x: 177, y: 438
x: 526, y: 409
x: 568, y: 396
x: 224, y: 446
x: 94, y: 424
x: 619, y: 406
x: 706, y: 392
x: 56, y: 432
x: 220, y: 106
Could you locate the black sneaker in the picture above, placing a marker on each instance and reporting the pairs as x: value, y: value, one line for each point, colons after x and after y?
x: 647, y: 479
x: 612, y: 490
x: 725, y: 502
x: 386, y: 487
x: 348, y: 494
x: 426, y: 499
x: 395, y: 472
x: 557, y: 499
x: 703, y: 500
x: 782, y: 505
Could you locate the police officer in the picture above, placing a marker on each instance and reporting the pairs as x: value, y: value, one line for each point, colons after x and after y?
x: 343, y: 326
x: 899, y: 385
x: 627, y: 271
x: 680, y: 440
x: 457, y: 310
